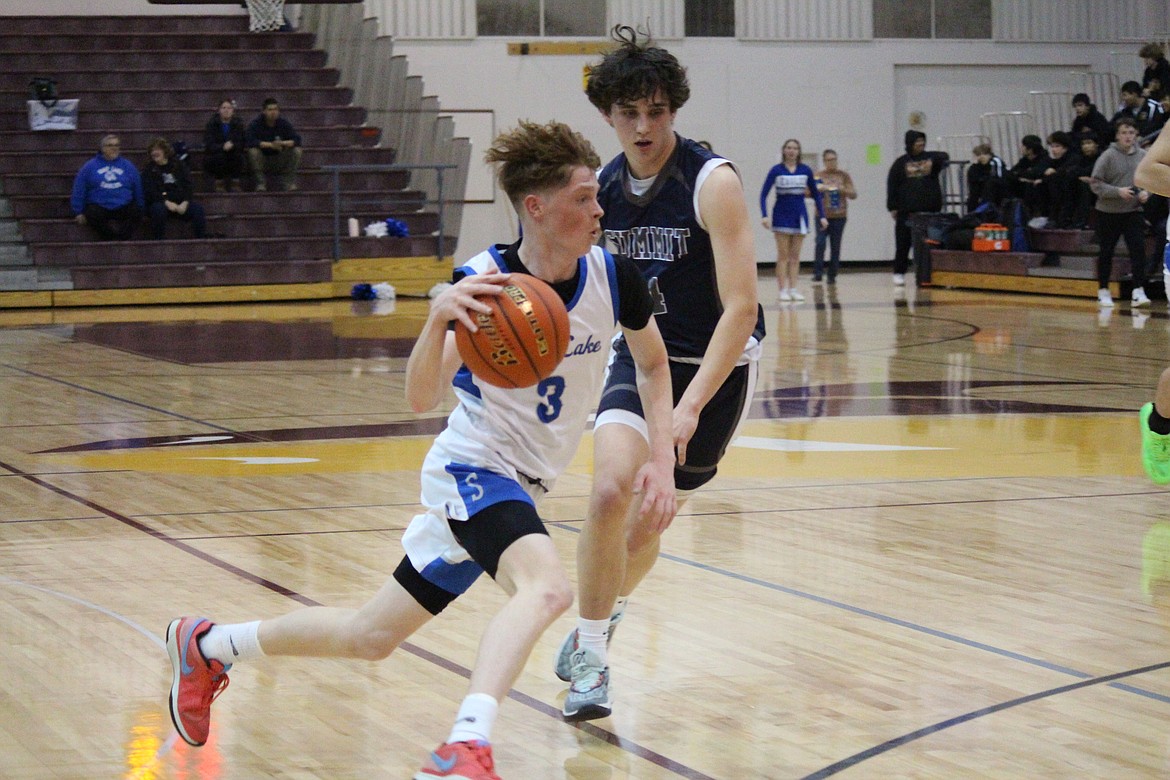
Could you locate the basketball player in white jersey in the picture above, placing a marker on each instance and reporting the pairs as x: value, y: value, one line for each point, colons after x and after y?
x: 500, y: 453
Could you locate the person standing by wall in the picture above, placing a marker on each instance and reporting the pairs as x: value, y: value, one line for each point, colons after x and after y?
x: 836, y: 187
x: 792, y: 181
x: 912, y: 185
x: 1119, y: 212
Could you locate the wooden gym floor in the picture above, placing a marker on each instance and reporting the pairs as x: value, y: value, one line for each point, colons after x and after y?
x: 931, y: 554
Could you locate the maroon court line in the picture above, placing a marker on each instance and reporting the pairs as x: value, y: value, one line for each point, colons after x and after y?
x: 633, y: 748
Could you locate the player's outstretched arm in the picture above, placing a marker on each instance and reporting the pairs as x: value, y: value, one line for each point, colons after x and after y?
x: 655, y: 479
x: 1153, y: 172
x: 722, y: 207
x: 434, y: 358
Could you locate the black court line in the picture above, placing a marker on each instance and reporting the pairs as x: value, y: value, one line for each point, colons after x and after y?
x: 890, y: 620
x: 890, y: 744
x: 633, y: 748
x: 120, y: 399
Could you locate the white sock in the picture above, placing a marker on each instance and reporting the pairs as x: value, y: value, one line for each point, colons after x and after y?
x: 232, y: 642
x: 476, y: 717
x: 592, y: 635
x: 619, y: 606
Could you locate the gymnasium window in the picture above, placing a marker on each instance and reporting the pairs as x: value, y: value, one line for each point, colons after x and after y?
x: 710, y: 18
x: 932, y: 19
x: 562, y: 18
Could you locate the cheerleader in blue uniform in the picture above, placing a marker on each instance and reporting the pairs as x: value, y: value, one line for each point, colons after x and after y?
x: 793, y: 182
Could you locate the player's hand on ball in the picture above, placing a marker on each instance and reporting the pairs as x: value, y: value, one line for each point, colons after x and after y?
x: 455, y: 302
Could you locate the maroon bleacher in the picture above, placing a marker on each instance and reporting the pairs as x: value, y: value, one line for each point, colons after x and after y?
x: 144, y: 77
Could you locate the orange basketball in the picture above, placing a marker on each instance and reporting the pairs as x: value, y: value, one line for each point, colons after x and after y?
x: 521, y: 340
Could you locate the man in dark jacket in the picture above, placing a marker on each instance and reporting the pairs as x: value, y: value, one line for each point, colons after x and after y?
x: 1088, y: 116
x: 224, y: 158
x: 1060, y: 180
x: 1143, y: 111
x: 985, y: 178
x: 913, y: 185
x: 1085, y: 198
x: 1026, y: 177
x: 1156, y: 76
x: 169, y: 191
x: 274, y: 147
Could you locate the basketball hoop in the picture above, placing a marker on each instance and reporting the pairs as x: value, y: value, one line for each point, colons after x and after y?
x: 265, y: 15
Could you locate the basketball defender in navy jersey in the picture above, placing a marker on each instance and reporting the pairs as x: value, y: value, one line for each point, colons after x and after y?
x: 487, y: 471
x: 678, y: 211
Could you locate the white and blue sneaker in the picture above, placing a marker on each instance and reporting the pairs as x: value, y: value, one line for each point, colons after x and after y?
x: 588, y: 696
x: 564, y: 663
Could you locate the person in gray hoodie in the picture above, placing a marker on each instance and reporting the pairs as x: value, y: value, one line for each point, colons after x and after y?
x: 1119, y: 211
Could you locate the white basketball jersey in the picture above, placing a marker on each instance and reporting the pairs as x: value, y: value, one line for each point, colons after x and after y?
x: 537, y: 429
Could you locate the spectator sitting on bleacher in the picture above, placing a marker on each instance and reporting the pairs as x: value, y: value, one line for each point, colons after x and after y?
x: 1085, y: 199
x: 273, y: 147
x: 986, y: 182
x: 169, y: 191
x: 1060, y: 180
x: 224, y: 158
x: 1027, y: 175
x: 1156, y: 77
x: 107, y: 193
x: 1142, y: 110
x: 1090, y: 117
x: 1157, y: 123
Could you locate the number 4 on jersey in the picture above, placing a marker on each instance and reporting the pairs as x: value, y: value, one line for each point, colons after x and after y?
x: 657, y: 296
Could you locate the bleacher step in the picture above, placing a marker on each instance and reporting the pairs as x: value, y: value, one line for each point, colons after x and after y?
x: 14, y: 254
x: 31, y: 278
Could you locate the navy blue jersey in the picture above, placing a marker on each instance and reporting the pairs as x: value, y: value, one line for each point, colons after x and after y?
x: 661, y: 233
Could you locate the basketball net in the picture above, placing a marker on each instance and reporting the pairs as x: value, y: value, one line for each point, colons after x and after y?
x: 265, y: 15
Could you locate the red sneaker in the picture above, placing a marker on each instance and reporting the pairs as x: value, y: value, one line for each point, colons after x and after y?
x: 460, y: 761
x: 197, y: 681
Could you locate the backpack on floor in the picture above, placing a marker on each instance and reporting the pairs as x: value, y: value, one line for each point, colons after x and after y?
x: 1014, y: 217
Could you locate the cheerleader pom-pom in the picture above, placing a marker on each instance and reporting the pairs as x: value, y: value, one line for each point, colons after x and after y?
x: 396, y: 227
x: 362, y: 292
x: 384, y: 291
x: 376, y: 230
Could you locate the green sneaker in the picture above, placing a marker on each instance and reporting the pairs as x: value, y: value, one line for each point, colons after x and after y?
x: 1155, y: 449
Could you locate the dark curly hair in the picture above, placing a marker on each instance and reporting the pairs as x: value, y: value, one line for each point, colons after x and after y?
x: 634, y: 70
x: 537, y: 158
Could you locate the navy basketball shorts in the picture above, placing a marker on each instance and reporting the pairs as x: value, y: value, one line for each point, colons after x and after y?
x: 719, y: 422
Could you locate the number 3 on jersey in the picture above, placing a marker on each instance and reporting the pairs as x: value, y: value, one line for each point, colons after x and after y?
x: 550, y: 389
